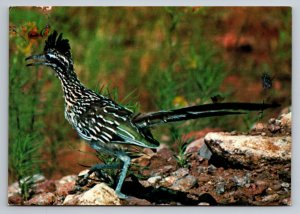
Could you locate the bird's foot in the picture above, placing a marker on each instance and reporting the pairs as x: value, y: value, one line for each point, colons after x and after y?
x: 121, y: 195
x: 83, y: 180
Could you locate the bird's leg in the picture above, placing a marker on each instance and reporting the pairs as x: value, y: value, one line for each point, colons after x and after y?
x: 123, y: 157
x: 126, y: 160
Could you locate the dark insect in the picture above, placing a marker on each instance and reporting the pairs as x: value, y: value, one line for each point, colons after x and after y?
x: 266, y: 81
x: 217, y: 98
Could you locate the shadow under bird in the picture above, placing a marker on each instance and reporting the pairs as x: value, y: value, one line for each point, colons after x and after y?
x: 109, y: 127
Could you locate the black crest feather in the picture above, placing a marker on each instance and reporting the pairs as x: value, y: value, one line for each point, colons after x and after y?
x: 58, y: 43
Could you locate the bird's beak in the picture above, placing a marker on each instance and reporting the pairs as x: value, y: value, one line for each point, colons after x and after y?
x: 39, y: 59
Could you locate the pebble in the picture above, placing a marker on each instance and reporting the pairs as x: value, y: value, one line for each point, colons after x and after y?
x: 211, y: 169
x: 67, y: 179
x: 285, y: 185
x: 272, y: 121
x: 154, y: 180
x: 100, y: 194
x: 43, y: 199
x: 181, y: 172
x: 203, y: 204
x: 65, y: 188
x: 242, y: 181
x: 184, y: 184
x: 15, y: 200
x: 201, y: 169
x: 270, y: 198
x: 204, y: 152
x: 220, y: 187
x: 287, y: 201
x: 71, y: 200
x: 204, y: 178
x: 259, y: 127
x: 273, y: 128
x: 276, y: 187
x: 46, y: 186
x: 168, y: 181
x: 133, y: 201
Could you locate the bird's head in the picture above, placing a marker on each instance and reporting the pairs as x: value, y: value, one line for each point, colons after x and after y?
x: 56, y: 55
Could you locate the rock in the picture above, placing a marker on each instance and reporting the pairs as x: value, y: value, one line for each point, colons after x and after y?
x: 65, y: 185
x: 154, y: 180
x: 43, y: 199
x: 142, y: 161
x: 67, y: 179
x: 204, y: 152
x: 204, y: 178
x: 287, y: 201
x: 168, y: 181
x: 83, y: 173
x: 194, y: 146
x: 14, y: 189
x: 15, y: 199
x: 270, y: 198
x: 272, y: 121
x: 273, y: 128
x: 260, y: 188
x: 65, y: 188
x: 165, y: 153
x: 285, y: 120
x: 201, y: 169
x: 276, y: 187
x: 71, y: 200
x: 285, y: 185
x: 100, y: 194
x: 204, y: 204
x: 136, y: 201
x: 211, y: 169
x: 282, y: 124
x: 259, y: 127
x: 144, y: 183
x: 46, y: 186
x: 181, y: 172
x: 262, y: 184
x: 220, y: 187
x: 184, y: 184
x: 250, y: 151
x: 177, y: 179
x: 241, y: 181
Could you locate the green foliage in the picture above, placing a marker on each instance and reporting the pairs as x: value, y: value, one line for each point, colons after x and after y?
x: 182, y: 157
x: 129, y: 101
x: 24, y: 123
x: 24, y: 159
x: 205, y: 75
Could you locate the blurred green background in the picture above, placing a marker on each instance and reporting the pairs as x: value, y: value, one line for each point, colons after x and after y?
x: 147, y: 58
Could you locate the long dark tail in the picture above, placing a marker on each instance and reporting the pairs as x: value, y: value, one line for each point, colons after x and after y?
x: 200, y: 111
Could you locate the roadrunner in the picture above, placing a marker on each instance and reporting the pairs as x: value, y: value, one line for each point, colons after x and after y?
x: 109, y: 127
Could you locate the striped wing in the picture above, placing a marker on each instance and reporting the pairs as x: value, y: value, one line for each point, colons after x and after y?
x: 107, y: 122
